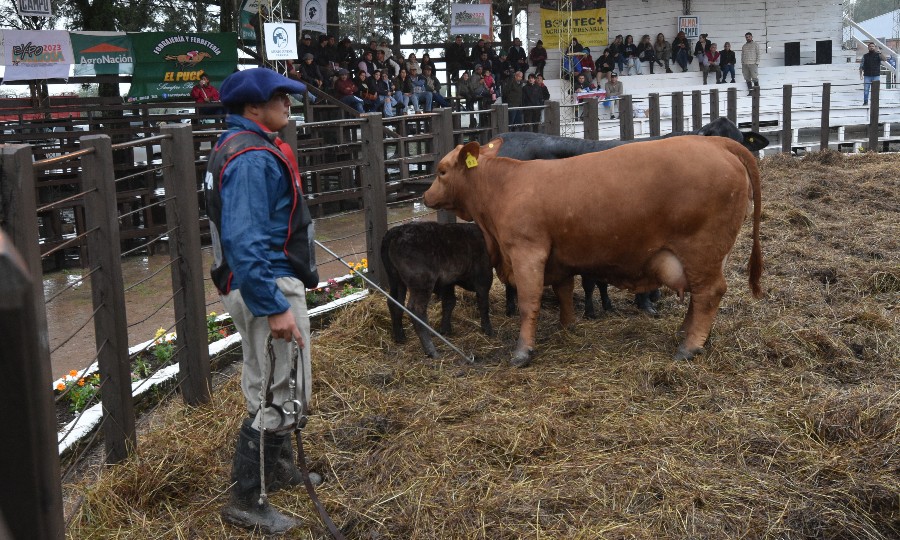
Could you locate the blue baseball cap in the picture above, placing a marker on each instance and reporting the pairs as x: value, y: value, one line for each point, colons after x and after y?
x: 256, y: 85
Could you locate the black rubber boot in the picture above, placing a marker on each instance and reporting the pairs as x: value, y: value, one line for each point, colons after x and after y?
x: 286, y: 474
x: 244, y: 509
x: 749, y: 88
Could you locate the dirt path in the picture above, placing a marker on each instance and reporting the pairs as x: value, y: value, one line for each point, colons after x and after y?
x: 148, y: 303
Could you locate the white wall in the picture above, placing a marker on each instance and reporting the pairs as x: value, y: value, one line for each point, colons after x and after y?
x: 772, y: 23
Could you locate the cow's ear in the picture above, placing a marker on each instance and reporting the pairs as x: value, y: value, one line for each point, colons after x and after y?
x: 468, y: 155
x: 754, y: 141
x: 492, y: 148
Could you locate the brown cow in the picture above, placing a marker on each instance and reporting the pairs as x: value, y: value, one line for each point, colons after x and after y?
x: 666, y: 220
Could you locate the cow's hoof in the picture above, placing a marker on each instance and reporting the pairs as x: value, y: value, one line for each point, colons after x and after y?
x: 488, y: 331
x: 431, y: 352
x: 649, y: 309
x: 591, y: 315
x: 655, y: 295
x: 522, y: 359
x: 684, y: 354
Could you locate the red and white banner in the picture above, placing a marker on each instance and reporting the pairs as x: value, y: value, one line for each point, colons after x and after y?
x: 36, y: 54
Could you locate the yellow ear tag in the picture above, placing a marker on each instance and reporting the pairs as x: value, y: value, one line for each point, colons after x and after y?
x: 471, y: 161
x: 491, y: 145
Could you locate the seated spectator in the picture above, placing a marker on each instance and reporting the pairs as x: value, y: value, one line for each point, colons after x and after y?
x: 538, y: 57
x: 420, y: 98
x: 366, y: 91
x: 588, y: 68
x: 681, y: 48
x: 491, y: 84
x: 605, y: 65
x: 727, y: 62
x: 455, y: 54
x: 367, y: 64
x: 346, y: 55
x: 663, y: 50
x: 581, y: 84
x: 614, y: 89
x: 465, y: 92
x: 412, y: 62
x: 306, y: 46
x: 346, y: 91
x: 479, y: 89
x: 702, y: 46
x: 503, y: 67
x: 632, y: 61
x: 385, y: 101
x: 646, y: 52
x: 310, y: 73
x: 487, y: 63
x: 617, y: 50
x: 403, y: 90
x: 427, y: 62
x: 433, y: 85
x: 712, y: 64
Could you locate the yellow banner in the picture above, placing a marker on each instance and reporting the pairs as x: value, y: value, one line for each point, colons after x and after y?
x: 588, y: 25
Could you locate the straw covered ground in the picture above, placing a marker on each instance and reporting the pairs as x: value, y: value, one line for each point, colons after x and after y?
x: 787, y: 427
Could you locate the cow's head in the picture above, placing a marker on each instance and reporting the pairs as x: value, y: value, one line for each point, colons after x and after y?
x: 723, y: 127
x: 452, y: 180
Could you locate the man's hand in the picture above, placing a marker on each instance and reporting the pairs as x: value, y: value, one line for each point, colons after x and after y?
x: 283, y: 326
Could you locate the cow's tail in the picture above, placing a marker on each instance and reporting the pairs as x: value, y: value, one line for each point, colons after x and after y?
x: 756, y: 259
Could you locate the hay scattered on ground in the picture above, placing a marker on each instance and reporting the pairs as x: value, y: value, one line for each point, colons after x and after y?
x: 786, y: 428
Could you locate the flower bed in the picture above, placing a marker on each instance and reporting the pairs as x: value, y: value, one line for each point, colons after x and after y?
x: 151, y: 360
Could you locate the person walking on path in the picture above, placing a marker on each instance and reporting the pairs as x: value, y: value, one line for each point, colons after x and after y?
x: 262, y: 236
x: 750, y: 63
x: 870, y: 69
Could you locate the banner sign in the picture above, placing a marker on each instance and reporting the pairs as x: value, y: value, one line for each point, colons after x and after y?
x: 313, y: 16
x: 588, y: 23
x: 34, y: 8
x: 169, y: 64
x: 690, y: 26
x: 470, y: 18
x: 248, y: 10
x: 102, y: 53
x: 281, y: 41
x: 36, y: 54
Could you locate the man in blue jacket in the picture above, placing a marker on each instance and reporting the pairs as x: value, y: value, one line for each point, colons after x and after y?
x: 262, y: 236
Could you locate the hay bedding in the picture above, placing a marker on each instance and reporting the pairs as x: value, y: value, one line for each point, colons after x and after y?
x: 786, y: 428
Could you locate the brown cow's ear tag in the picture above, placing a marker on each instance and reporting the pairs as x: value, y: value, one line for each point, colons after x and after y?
x: 491, y: 145
x: 471, y: 161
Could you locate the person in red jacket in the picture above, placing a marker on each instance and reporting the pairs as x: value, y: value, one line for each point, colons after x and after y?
x: 204, y: 92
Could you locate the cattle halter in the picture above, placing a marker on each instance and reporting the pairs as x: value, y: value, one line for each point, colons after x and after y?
x: 470, y: 359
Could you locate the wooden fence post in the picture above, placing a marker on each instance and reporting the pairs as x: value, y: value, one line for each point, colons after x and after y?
x: 713, y: 104
x: 874, y: 91
x: 825, y: 129
x: 754, y: 108
x: 591, y: 119
x: 499, y: 119
x: 626, y: 118
x: 31, y: 498
x: 732, y: 105
x: 18, y: 217
x: 374, y: 195
x: 787, y: 135
x: 551, y: 118
x: 442, y: 130
x: 677, y: 112
x: 183, y: 217
x: 654, y: 115
x: 110, y: 323
x: 696, y: 110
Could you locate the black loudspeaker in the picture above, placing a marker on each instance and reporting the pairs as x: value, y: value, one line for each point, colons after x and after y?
x: 792, y: 53
x: 823, y: 52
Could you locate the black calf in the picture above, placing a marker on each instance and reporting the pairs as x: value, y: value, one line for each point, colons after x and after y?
x: 426, y: 258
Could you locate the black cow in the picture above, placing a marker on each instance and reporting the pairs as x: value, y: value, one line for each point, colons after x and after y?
x: 526, y: 146
x: 426, y: 258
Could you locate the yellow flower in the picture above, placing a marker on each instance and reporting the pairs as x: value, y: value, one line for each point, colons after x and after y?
x: 350, y: 264
x: 365, y: 263
x: 80, y: 382
x: 160, y: 333
x: 60, y: 386
x: 73, y: 373
x: 212, y: 313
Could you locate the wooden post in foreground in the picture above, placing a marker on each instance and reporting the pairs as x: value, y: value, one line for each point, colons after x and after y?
x: 374, y: 195
x: 825, y: 129
x: 182, y: 215
x: 654, y: 115
x: 873, y: 116
x: 787, y: 135
x: 31, y: 498
x: 442, y: 130
x: 677, y: 112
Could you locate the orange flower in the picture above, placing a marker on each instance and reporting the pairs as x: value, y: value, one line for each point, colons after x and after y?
x: 80, y: 382
x: 60, y: 387
x: 223, y: 332
x: 73, y: 373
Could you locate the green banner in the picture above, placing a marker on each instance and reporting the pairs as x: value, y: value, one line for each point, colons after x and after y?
x: 169, y: 64
x: 102, y: 53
